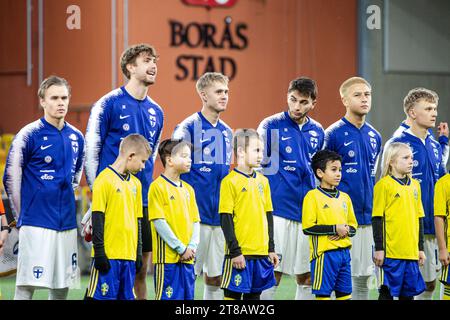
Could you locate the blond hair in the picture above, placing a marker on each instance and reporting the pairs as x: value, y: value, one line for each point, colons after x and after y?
x: 135, y: 142
x: 208, y: 78
x: 390, y: 154
x: 417, y: 94
x: 351, y: 81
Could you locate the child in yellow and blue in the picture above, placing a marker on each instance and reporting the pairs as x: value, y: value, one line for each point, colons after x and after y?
x: 397, y: 222
x: 116, y: 220
x: 329, y: 220
x: 245, y: 209
x: 441, y: 213
x: 175, y: 224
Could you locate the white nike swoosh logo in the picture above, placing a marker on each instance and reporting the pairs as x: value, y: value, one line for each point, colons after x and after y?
x: 123, y: 117
x: 285, y: 138
x: 348, y: 143
x: 201, y: 140
x: 46, y: 147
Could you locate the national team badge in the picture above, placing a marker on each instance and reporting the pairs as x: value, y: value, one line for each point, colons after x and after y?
x: 261, y: 189
x: 104, y: 289
x: 416, y: 194
x: 38, y: 272
x: 288, y: 149
x: 169, y: 292
x: 351, y: 153
x: 314, y: 142
x: 75, y: 146
x: 373, y: 143
x: 126, y: 127
x: 48, y: 159
x: 237, y: 280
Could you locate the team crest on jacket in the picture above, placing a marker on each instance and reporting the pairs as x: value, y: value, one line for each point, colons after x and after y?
x: 75, y: 146
x: 38, y: 271
x: 416, y: 194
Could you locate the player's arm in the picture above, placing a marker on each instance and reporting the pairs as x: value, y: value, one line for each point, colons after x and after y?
x: 101, y: 261
x: 139, y: 246
x: 272, y: 254
x: 266, y: 136
x: 159, y: 134
x: 18, y: 156
x: 235, y: 253
x: 4, y: 231
x: 169, y: 237
x: 96, y: 132
x: 440, y: 212
x: 421, y: 242
x: 443, y: 141
x: 195, y: 238
x: 80, y: 164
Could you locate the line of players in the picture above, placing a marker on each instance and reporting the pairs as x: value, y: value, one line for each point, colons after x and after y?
x: 44, y: 165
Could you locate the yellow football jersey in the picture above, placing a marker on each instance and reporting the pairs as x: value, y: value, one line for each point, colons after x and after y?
x: 247, y: 199
x: 320, y: 208
x: 400, y: 206
x: 442, y: 202
x: 120, y: 199
x: 177, y: 205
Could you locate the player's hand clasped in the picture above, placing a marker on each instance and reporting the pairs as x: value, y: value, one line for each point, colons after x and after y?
x: 342, y: 231
x: 187, y: 255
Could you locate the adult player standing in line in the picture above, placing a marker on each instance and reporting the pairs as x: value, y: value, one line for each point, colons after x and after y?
x: 42, y: 171
x: 359, y: 145
x: 123, y: 111
x: 421, y: 106
x: 291, y: 140
x: 211, y: 157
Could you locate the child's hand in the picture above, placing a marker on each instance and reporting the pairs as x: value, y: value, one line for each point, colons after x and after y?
x: 274, y: 259
x: 378, y: 258
x: 238, y: 262
x: 422, y: 258
x: 342, y: 230
x: 444, y: 257
x: 334, y: 238
x: 187, y: 255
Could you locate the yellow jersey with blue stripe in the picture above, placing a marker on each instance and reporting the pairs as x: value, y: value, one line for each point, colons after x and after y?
x: 400, y: 206
x: 177, y: 205
x: 320, y: 208
x: 120, y: 199
x: 247, y: 198
x: 442, y: 203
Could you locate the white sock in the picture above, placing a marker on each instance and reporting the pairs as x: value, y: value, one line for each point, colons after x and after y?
x: 58, y: 294
x: 441, y: 291
x: 303, y: 293
x: 426, y: 295
x: 269, y: 294
x: 23, y: 293
x: 360, y: 288
x: 212, y: 293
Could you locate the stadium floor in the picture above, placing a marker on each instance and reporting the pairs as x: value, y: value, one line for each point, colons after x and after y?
x: 286, y: 291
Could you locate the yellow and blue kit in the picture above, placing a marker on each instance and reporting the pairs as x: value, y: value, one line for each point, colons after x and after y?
x: 397, y: 221
x: 119, y: 199
x: 330, y: 259
x: 442, y: 208
x: 176, y: 206
x: 246, y: 209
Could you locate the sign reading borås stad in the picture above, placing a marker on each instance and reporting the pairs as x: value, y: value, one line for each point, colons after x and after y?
x: 227, y: 36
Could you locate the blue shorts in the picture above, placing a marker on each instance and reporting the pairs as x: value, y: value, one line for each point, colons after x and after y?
x: 174, y: 281
x: 444, y: 278
x: 331, y: 271
x: 116, y: 284
x: 402, y: 277
x: 258, y: 275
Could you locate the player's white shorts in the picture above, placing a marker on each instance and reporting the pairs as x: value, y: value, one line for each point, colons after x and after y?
x: 47, y: 258
x: 362, y: 252
x: 292, y: 245
x: 432, y: 264
x: 210, y: 251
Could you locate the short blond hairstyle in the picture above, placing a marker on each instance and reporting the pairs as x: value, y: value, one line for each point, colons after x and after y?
x: 208, y: 79
x: 351, y: 81
x: 417, y: 94
x: 135, y: 142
